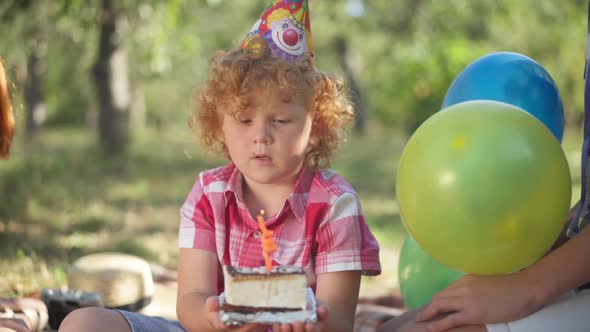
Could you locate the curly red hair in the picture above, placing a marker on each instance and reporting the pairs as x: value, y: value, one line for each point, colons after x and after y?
x: 6, y: 116
x: 235, y: 74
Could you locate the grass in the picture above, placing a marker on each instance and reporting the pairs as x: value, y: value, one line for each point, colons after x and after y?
x: 60, y: 198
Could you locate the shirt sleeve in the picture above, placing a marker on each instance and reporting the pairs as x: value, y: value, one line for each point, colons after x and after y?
x: 344, y: 240
x: 197, y: 228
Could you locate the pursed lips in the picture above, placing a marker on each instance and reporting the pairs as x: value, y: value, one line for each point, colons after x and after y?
x: 262, y: 160
x: 261, y: 156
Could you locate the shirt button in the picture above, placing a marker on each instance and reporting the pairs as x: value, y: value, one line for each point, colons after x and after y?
x: 257, y: 234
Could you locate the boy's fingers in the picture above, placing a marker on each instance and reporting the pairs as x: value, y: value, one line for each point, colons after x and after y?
x: 322, y: 312
x: 212, y: 307
x: 214, y: 319
x: 310, y: 327
x: 298, y: 327
x: 212, y: 303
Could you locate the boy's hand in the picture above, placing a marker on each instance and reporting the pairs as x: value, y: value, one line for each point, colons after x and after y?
x: 322, y: 313
x: 480, y: 300
x: 212, y: 307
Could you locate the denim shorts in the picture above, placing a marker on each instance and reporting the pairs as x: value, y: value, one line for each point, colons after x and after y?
x: 144, y: 323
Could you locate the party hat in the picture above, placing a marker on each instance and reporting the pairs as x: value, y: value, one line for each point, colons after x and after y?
x: 284, y: 25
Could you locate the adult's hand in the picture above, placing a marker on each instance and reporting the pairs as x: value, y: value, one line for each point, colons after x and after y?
x: 474, y: 300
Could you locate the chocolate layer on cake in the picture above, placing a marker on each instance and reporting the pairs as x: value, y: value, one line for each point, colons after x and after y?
x: 246, y: 309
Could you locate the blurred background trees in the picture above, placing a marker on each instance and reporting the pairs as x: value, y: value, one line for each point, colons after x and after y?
x: 118, y: 65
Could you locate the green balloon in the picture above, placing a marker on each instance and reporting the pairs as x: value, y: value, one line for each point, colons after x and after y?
x: 420, y: 276
x: 483, y: 187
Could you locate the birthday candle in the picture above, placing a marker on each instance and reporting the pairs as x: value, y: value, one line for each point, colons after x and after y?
x: 268, y: 244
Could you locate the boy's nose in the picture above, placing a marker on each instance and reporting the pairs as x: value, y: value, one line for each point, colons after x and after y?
x: 262, y: 135
x: 262, y: 139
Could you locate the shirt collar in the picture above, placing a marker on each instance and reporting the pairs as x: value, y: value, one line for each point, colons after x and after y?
x: 234, y: 185
x: 297, y: 198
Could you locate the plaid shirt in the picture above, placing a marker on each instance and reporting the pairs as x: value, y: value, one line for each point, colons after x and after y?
x: 319, y: 228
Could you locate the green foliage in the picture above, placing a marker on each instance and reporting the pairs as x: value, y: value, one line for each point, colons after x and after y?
x: 61, y: 198
x: 410, y: 62
x: 408, y: 51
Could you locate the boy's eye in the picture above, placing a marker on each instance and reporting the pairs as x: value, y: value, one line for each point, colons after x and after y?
x: 245, y: 120
x: 282, y: 121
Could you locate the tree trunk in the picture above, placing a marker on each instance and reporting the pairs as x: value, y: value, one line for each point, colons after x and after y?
x: 112, y: 80
x: 36, y: 112
x: 351, y: 75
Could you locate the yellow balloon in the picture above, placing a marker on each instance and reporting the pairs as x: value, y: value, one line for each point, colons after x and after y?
x: 483, y: 187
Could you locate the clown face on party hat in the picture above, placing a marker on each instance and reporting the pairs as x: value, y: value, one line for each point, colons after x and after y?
x: 284, y: 25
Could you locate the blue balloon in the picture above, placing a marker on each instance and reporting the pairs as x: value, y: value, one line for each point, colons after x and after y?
x: 514, y: 79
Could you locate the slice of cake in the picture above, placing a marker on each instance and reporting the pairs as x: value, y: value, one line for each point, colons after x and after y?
x: 258, y: 295
x: 251, y: 289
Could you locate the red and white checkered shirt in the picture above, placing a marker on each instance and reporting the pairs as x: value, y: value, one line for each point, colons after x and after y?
x: 320, y: 227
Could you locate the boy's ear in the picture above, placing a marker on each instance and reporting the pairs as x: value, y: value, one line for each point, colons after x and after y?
x: 314, y: 138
